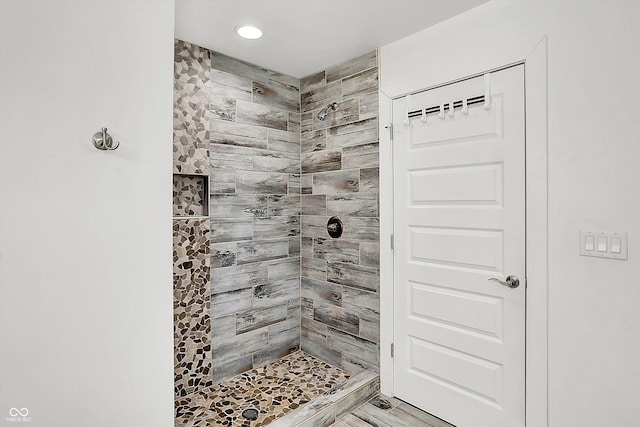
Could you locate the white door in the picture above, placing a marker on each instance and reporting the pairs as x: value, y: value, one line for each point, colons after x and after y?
x: 459, y: 221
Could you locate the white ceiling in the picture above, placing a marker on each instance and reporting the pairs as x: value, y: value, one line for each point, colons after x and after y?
x: 306, y: 36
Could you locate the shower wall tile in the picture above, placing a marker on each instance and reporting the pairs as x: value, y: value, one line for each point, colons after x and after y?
x: 363, y: 62
x: 240, y: 124
x: 262, y: 115
x: 191, y: 114
x: 321, y: 161
x: 340, y: 277
x: 191, y: 306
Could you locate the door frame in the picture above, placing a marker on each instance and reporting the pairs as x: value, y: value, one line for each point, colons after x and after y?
x: 534, y: 58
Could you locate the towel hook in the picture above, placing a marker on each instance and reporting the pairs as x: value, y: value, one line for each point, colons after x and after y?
x: 103, y: 141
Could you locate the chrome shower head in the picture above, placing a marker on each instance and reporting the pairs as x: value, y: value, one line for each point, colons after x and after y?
x: 322, y: 114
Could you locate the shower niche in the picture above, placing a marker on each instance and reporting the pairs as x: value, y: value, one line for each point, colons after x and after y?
x: 190, y: 195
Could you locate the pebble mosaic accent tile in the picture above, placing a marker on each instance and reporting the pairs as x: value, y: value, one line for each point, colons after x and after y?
x: 190, y: 195
x: 274, y: 390
x: 191, y: 113
x: 191, y: 306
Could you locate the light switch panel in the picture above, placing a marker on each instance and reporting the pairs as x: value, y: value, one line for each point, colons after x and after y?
x: 602, y: 244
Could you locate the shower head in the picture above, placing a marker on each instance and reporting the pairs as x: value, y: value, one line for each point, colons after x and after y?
x: 322, y: 114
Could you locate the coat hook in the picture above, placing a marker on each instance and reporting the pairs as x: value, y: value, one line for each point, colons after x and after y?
x: 103, y: 141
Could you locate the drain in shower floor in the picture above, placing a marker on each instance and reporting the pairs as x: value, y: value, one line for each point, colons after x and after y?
x: 250, y: 414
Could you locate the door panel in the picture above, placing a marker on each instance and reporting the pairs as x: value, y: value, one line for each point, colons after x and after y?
x: 459, y: 220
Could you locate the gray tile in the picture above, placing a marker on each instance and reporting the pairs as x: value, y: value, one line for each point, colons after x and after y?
x: 369, y: 180
x: 239, y: 68
x: 237, y: 206
x: 284, y: 80
x: 283, y: 269
x: 357, y: 133
x: 230, y: 84
x: 276, y: 350
x: 231, y: 368
x: 361, y: 229
x: 313, y: 140
x: 370, y: 254
x: 238, y: 277
x: 336, y: 182
x: 336, y: 317
x: 231, y: 230
x: 281, y: 204
x: 350, y: 344
x: 321, y: 161
x: 273, y: 161
x: 223, y: 254
x: 287, y: 142
x: 231, y: 157
x: 294, y: 183
x: 223, y: 327
x: 361, y: 156
x: 321, y: 291
x: 253, y: 251
x: 369, y: 105
x: 275, y: 293
x: 276, y: 227
x: 222, y: 181
x: 353, y: 275
x: 294, y: 246
x: 222, y: 106
x: 240, y: 134
x: 321, y: 351
x: 336, y: 251
x: 306, y: 246
x: 279, y: 96
x: 261, y: 115
x: 353, y: 204
x: 294, y: 123
x: 227, y: 349
x: 363, y: 82
x: 355, y: 65
x: 306, y: 184
x: 320, y: 97
x: 236, y: 294
x: 361, y: 298
x: 306, y: 122
x: 314, y: 268
x: 231, y: 307
x: 369, y: 325
x: 312, y: 82
x: 257, y: 318
x: 261, y: 183
x: 314, y: 204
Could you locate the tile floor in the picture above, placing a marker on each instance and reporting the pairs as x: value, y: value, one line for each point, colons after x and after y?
x: 274, y: 389
x: 383, y: 411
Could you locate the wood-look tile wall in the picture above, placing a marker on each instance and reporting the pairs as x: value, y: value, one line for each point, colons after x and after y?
x: 339, y: 165
x: 255, y: 215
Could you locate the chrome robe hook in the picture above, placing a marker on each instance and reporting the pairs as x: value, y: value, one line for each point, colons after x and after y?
x: 103, y: 141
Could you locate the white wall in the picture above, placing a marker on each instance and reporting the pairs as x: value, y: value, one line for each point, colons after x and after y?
x: 593, y: 176
x: 85, y: 235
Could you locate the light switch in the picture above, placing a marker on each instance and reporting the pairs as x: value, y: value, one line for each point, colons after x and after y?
x: 616, y: 244
x: 602, y: 244
x: 589, y: 243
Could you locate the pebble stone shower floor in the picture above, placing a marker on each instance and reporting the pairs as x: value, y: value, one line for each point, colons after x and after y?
x: 274, y: 390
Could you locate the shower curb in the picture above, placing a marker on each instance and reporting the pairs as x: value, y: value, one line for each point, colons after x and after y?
x: 326, y: 409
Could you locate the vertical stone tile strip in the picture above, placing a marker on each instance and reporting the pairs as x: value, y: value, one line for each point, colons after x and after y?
x: 191, y: 306
x: 191, y: 113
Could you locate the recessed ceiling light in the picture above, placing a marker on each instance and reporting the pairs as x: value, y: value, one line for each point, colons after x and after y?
x: 249, y: 32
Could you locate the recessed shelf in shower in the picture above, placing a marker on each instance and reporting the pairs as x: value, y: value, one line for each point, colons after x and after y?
x: 190, y: 195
